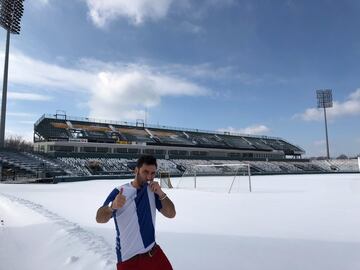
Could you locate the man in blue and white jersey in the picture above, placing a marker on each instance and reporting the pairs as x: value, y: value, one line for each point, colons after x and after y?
x: 133, y: 207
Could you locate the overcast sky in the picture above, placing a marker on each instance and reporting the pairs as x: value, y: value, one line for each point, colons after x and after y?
x: 245, y: 66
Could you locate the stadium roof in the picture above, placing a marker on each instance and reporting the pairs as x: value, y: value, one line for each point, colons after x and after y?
x: 141, y: 124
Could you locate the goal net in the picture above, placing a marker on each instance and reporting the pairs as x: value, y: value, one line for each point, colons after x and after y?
x: 165, y: 181
x: 229, y: 178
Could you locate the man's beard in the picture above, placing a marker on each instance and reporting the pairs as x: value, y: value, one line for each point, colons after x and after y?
x: 141, y: 181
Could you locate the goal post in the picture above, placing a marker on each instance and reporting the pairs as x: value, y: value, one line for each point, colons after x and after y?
x: 165, y: 181
x: 249, y: 174
x: 215, y: 169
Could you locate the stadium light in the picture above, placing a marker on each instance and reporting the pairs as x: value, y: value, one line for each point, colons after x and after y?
x: 11, y: 12
x: 324, y: 100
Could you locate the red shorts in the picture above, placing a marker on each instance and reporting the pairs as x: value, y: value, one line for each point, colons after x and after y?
x: 157, y: 261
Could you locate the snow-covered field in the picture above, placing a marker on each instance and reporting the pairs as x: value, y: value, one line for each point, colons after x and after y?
x: 287, y: 222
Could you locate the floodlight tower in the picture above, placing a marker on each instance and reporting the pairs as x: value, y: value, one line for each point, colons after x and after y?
x: 11, y: 12
x: 324, y: 100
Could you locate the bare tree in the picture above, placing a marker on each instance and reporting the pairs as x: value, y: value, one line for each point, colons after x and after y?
x: 18, y: 143
x: 342, y: 156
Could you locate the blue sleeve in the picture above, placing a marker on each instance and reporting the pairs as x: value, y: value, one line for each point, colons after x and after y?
x: 158, y: 202
x: 111, y: 196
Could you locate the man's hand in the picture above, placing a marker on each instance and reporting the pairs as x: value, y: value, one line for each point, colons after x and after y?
x: 155, y: 187
x: 119, y: 201
x: 168, y: 208
x: 105, y: 212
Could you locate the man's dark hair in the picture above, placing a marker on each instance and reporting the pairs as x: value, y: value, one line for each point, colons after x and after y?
x: 146, y: 159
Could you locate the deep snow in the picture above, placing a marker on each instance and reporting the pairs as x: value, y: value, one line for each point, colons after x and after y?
x: 287, y: 222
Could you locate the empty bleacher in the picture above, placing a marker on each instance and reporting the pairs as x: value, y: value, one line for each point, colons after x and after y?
x: 170, y: 137
x: 77, y: 166
x: 237, y: 142
x: 35, y: 165
x: 189, y: 166
x: 282, y: 145
x: 131, y: 134
x: 287, y: 167
x: 345, y: 165
x: 169, y: 166
x: 258, y: 144
x: 114, y: 165
x: 206, y: 140
x: 177, y: 167
x: 52, y: 129
x: 337, y: 165
x: 266, y: 166
x: 325, y: 165
x: 308, y: 167
x: 30, y: 164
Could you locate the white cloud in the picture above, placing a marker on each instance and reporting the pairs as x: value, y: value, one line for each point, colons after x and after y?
x: 258, y: 129
x: 125, y: 94
x: 253, y: 130
x: 355, y: 95
x: 137, y: 11
x: 209, y: 71
x: 192, y: 28
x: 29, y: 71
x: 349, y: 107
x: 27, y: 122
x: 39, y: 5
x: 27, y: 96
x: 119, y: 91
x: 20, y: 114
x: 41, y: 2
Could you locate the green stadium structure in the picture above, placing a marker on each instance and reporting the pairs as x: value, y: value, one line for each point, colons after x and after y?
x: 60, y: 134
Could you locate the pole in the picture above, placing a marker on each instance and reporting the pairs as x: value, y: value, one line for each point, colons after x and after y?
x: 4, y: 93
x: 327, y: 139
x: 249, y: 178
x: 195, y: 179
x: 232, y: 183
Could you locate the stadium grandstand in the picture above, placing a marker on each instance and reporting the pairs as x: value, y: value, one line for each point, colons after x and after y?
x: 67, y: 146
x: 59, y: 134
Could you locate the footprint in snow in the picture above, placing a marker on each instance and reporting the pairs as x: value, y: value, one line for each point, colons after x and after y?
x: 72, y: 259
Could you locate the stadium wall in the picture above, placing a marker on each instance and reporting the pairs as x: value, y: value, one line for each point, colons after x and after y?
x: 70, y: 148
